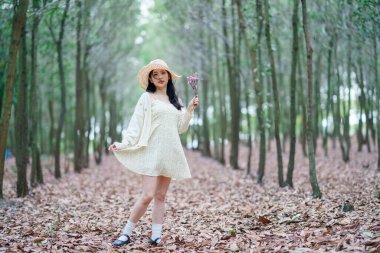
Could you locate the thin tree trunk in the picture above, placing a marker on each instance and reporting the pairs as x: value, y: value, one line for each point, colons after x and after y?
x: 259, y: 91
x: 36, y: 176
x: 362, y: 105
x: 102, y: 132
x: 338, y: 118
x: 206, y: 82
x: 216, y: 117
x: 242, y: 28
x: 375, y: 59
x: 329, y: 100
x: 234, y: 101
x: 346, y: 115
x: 21, y: 122
x: 289, y: 176
x: 317, y: 95
x: 18, y: 23
x: 79, y: 122
x: 61, y: 121
x: 113, y: 117
x: 301, y: 95
x: 312, y: 169
x: 86, y: 82
x: 87, y: 113
x: 275, y: 96
x: 52, y: 123
x: 222, y: 111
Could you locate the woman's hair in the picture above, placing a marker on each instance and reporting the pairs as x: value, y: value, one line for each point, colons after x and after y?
x: 170, y: 91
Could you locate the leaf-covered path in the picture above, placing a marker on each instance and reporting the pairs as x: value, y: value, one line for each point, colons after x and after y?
x: 218, y: 210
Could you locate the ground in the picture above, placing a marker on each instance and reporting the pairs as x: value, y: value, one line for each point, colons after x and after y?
x: 218, y: 210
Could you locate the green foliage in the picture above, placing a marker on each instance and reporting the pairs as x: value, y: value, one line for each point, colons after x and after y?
x: 366, y: 17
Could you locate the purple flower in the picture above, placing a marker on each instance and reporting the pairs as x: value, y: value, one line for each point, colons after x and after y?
x: 192, y: 80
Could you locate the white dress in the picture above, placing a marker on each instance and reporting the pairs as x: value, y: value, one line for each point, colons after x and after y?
x: 152, y: 145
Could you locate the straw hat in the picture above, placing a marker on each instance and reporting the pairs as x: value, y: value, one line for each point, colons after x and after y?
x: 143, y: 74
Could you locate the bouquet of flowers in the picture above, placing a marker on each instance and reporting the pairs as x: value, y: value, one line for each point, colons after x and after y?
x: 192, y: 80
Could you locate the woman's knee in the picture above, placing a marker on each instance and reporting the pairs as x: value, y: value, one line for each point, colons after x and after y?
x: 147, y: 198
x: 159, y: 196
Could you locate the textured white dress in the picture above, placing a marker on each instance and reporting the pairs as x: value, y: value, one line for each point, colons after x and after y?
x: 152, y: 145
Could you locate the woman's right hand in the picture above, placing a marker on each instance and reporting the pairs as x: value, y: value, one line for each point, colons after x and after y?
x: 112, y: 147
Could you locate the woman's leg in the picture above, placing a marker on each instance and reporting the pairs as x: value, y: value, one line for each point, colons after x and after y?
x: 149, y: 185
x: 159, y: 206
x: 138, y: 210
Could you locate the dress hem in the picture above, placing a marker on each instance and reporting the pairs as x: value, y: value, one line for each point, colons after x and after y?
x: 146, y: 174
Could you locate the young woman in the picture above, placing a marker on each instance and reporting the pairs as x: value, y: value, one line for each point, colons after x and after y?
x: 152, y: 147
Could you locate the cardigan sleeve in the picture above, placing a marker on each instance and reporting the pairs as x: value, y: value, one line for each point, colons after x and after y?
x: 184, y: 121
x: 135, y: 127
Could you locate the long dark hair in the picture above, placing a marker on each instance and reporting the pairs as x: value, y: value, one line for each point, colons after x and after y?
x: 170, y: 91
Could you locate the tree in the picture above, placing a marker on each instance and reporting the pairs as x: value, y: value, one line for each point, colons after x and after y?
x: 21, y: 121
x: 309, y: 130
x: 58, y: 133
x: 289, y: 177
x: 275, y: 96
x: 18, y: 23
x: 36, y: 176
x: 79, y: 109
x: 234, y: 95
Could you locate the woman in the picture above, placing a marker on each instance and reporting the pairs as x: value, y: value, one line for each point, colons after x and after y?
x: 152, y: 147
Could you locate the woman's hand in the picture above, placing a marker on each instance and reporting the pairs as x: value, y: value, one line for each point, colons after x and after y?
x: 193, y: 104
x: 112, y: 147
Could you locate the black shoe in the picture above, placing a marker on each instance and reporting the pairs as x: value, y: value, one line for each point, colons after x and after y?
x: 155, y: 242
x: 119, y: 243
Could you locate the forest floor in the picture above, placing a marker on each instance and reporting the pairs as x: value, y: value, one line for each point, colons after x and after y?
x: 218, y: 210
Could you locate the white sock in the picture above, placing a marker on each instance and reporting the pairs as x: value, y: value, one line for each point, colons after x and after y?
x: 127, y: 231
x: 156, y: 231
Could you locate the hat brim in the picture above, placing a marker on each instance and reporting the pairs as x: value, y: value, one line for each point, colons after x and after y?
x: 143, y: 74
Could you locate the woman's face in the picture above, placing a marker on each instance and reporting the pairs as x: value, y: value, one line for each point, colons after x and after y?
x: 159, y: 78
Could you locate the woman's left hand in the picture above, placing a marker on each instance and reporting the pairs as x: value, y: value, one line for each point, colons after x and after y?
x: 193, y: 104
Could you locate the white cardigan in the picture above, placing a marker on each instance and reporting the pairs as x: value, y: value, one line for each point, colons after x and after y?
x: 139, y: 127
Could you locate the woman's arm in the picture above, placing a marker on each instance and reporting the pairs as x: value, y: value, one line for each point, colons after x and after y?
x: 186, y: 115
x: 133, y: 132
x: 184, y: 120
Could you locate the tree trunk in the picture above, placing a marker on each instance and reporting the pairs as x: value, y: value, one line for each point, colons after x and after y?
x: 102, y: 131
x: 259, y: 92
x: 87, y: 94
x: 21, y: 122
x: 52, y: 123
x: 362, y: 106
x: 346, y: 110
x: 86, y: 82
x: 216, y: 117
x: 312, y: 169
x: 375, y: 59
x: 289, y: 176
x: 79, y: 122
x: 317, y: 95
x: 113, y: 117
x: 234, y: 101
x: 17, y: 26
x: 301, y: 95
x: 61, y: 121
x: 206, y: 82
x: 36, y: 176
x: 222, y: 110
x: 329, y: 100
x: 275, y: 96
x: 338, y: 118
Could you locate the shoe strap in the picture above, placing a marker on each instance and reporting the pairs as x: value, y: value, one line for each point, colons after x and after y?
x: 157, y: 239
x: 127, y: 236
